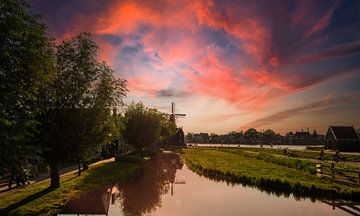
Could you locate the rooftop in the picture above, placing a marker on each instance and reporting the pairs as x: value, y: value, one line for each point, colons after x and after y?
x: 344, y: 132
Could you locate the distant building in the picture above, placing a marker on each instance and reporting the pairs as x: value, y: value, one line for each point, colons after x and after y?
x: 178, y: 138
x: 343, y: 138
x: 302, y: 138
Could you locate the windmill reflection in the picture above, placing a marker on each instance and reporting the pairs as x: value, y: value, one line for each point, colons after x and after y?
x: 136, y: 196
x: 142, y: 194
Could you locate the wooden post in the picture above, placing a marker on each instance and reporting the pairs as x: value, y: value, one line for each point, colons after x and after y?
x: 332, y: 170
x: 319, y: 169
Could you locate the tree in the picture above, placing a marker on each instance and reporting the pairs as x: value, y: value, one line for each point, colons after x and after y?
x: 269, y: 133
x: 144, y: 127
x: 251, y: 133
x: 314, y: 133
x: 75, y: 118
x: 26, y: 65
x: 168, y: 128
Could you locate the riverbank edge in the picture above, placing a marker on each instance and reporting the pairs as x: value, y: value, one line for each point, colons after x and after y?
x: 40, y: 200
x: 271, y: 186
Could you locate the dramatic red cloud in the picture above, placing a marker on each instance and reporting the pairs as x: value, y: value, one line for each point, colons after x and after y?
x: 174, y: 32
x: 248, y: 29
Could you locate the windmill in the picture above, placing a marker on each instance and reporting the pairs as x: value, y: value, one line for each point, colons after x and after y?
x: 174, y: 115
x: 179, y: 137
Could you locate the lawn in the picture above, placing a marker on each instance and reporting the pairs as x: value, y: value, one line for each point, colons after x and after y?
x: 37, y: 199
x: 264, y: 174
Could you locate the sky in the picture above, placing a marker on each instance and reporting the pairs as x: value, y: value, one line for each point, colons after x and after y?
x: 228, y: 65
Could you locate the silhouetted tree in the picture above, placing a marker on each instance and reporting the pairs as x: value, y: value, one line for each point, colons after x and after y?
x: 314, y: 133
x: 269, y: 133
x: 251, y: 132
x: 26, y: 64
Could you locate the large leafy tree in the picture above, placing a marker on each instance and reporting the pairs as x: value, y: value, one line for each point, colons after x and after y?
x: 75, y: 118
x: 144, y: 127
x: 26, y: 65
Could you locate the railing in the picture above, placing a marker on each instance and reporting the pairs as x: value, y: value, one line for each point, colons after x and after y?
x: 336, y: 174
x: 4, y: 180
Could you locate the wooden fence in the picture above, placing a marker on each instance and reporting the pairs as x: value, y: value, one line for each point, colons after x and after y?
x: 341, y: 175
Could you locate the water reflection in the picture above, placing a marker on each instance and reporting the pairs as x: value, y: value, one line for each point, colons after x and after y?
x: 91, y: 202
x: 167, y: 187
x: 136, y: 196
x: 142, y: 194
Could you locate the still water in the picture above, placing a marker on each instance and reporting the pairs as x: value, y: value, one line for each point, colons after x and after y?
x: 168, y: 187
x: 293, y: 147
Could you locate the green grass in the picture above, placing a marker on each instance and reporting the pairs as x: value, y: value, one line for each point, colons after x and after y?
x: 38, y: 200
x: 265, y: 175
x: 305, y: 154
x: 303, y: 165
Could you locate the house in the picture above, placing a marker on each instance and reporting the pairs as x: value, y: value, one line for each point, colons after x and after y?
x: 302, y: 138
x: 343, y: 138
x: 178, y: 138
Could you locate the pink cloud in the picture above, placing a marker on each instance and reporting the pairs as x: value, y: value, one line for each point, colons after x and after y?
x: 323, y: 21
x: 173, y: 30
x: 254, y: 35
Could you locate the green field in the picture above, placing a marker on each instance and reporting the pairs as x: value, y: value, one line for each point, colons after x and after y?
x: 37, y: 199
x: 266, y: 172
x: 305, y: 154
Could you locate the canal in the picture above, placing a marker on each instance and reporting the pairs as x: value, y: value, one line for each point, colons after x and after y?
x: 166, y: 186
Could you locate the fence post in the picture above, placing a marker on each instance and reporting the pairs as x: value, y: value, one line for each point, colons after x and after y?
x: 332, y: 170
x: 319, y: 169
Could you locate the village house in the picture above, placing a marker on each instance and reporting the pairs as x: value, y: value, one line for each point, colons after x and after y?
x: 343, y: 138
x: 302, y: 138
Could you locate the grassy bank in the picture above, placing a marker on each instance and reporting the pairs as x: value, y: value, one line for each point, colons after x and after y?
x: 265, y: 175
x: 303, y: 164
x: 38, y: 200
x: 305, y: 154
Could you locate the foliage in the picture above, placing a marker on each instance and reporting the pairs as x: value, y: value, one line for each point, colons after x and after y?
x: 75, y: 107
x: 269, y: 133
x: 145, y: 127
x: 251, y: 132
x: 26, y: 65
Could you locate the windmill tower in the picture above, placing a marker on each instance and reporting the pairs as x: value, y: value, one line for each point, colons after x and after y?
x: 179, y: 137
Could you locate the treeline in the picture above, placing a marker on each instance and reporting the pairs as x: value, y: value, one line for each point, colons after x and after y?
x: 252, y: 136
x: 58, y: 102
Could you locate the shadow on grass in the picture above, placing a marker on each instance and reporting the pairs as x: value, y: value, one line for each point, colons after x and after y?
x: 99, y: 175
x: 24, y: 201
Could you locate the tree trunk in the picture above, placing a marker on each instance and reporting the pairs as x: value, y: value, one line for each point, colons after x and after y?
x: 54, y: 176
x: 79, y: 168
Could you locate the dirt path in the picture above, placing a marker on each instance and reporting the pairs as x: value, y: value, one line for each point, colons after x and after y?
x: 46, y: 176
